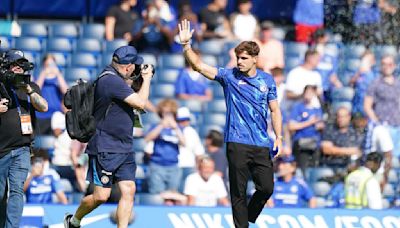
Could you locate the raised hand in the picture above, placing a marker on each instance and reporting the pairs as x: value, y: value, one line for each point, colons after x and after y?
x: 185, y: 34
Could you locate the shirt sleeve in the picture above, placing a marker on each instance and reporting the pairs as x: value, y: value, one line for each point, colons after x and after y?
x: 272, y: 94
x: 374, y: 195
x: 190, y: 186
x: 371, y: 89
x: 58, y: 121
x: 197, y: 148
x: 221, y: 76
x: 112, y: 11
x: 221, y: 191
x: 118, y: 88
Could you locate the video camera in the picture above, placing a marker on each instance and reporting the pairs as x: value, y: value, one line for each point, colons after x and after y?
x: 137, y: 75
x: 9, y: 77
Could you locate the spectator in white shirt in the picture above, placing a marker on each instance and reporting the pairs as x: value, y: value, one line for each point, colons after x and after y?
x: 303, y: 75
x: 192, y: 150
x: 205, y: 188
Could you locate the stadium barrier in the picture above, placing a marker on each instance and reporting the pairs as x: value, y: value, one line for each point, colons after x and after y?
x: 192, y: 217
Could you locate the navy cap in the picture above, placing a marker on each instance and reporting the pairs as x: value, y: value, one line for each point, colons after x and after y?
x: 127, y: 55
x: 14, y: 55
x: 287, y: 159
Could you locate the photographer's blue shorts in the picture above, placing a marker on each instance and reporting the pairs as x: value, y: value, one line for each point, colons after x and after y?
x: 108, y: 168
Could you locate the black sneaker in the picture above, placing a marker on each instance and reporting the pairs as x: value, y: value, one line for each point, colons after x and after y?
x: 67, y: 221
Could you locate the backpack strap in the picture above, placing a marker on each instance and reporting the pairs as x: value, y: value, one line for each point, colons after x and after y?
x: 104, y: 73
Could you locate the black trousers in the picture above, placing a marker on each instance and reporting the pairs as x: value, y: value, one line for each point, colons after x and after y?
x: 245, y: 160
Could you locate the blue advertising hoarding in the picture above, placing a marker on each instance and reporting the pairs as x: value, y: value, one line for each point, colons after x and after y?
x: 196, y: 217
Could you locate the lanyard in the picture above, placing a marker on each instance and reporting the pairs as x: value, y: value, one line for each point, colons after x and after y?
x: 17, y: 102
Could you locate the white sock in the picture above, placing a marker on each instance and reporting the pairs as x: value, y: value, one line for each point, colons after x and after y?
x: 74, y: 221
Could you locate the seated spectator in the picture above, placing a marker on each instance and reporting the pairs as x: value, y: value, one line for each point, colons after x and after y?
x: 192, y: 85
x: 290, y: 191
x: 192, y: 150
x: 362, y: 79
x: 382, y: 101
x: 120, y: 20
x: 308, y: 16
x: 214, y: 148
x: 244, y: 24
x: 305, y: 124
x: 40, y: 187
x: 271, y: 50
x: 361, y: 188
x: 301, y: 76
x: 214, y: 22
x: 328, y: 63
x: 205, y: 188
x: 185, y: 12
x: 340, y: 141
x: 53, y: 86
x: 167, y: 136
x: 153, y: 33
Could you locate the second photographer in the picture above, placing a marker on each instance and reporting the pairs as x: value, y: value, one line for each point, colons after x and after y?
x: 18, y: 101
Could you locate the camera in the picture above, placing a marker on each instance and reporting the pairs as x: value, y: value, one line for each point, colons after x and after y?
x: 9, y: 77
x: 137, y: 75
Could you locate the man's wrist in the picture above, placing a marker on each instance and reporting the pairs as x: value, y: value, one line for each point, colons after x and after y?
x: 280, y: 137
x: 30, y: 92
x: 186, y: 46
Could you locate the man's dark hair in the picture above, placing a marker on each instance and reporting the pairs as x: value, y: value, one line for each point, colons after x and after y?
x: 310, y: 52
x: 276, y: 71
x: 250, y: 47
x: 216, y: 138
x: 374, y: 157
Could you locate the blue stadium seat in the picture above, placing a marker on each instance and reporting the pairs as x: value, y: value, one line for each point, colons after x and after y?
x: 215, y: 119
x: 96, y: 31
x: 389, y: 192
x: 74, y: 73
x: 140, y: 173
x: 321, y: 188
x: 194, y: 106
x: 352, y: 64
x: 382, y: 50
x: 218, y: 92
x: 228, y: 45
x: 294, y: 49
x: 396, y: 163
x: 342, y: 94
x: 354, y: 51
x: 316, y: 174
x: 28, y: 44
x: 88, y: 45
x: 110, y: 46
x: 84, y: 60
x: 216, y: 106
x: 139, y: 157
x: 164, y: 90
x: 62, y: 60
x: 149, y: 59
x: 150, y: 118
x: 59, y: 45
x: 332, y: 49
x: 34, y: 29
x: 211, y: 47
x: 292, y: 62
x: 106, y: 58
x: 210, y: 60
x: 67, y: 30
x: 176, y: 61
x: 393, y: 177
x: 167, y: 75
x: 6, y: 43
x: 44, y: 142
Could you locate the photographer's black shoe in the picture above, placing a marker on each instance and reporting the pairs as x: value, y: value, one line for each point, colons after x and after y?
x: 67, y: 221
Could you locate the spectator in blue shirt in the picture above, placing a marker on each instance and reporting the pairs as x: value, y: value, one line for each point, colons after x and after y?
x: 305, y: 124
x: 40, y: 187
x: 367, y: 18
x: 308, y: 17
x: 191, y: 85
x: 53, y: 86
x: 290, y: 191
x: 166, y: 136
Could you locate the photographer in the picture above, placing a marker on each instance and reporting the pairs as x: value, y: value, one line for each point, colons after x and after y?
x: 19, y: 100
x: 111, y: 159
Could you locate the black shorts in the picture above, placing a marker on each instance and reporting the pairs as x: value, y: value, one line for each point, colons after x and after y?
x: 107, y: 168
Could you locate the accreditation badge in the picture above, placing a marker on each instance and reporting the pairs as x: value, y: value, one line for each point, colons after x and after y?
x: 26, y: 124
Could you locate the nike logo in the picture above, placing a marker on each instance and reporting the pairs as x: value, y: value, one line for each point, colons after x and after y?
x: 85, y: 221
x: 241, y: 82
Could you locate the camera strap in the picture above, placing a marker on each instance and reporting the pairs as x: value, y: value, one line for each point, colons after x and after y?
x: 25, y: 119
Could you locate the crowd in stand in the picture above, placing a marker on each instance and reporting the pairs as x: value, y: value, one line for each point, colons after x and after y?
x: 320, y: 129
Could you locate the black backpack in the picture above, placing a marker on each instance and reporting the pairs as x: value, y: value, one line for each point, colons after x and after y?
x: 80, y: 122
